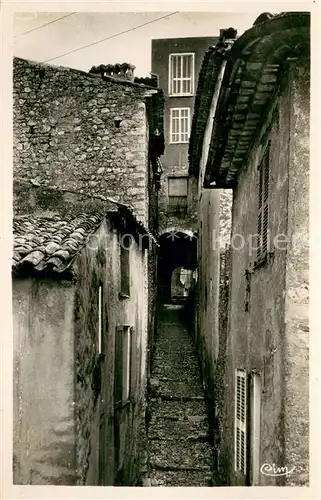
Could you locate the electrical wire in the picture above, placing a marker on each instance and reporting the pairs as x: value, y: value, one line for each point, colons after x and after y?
x: 46, y: 24
x: 109, y: 37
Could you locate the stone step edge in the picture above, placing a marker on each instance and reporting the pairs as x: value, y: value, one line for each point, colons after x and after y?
x: 173, y: 468
x: 191, y: 418
x: 166, y: 397
x: 201, y: 438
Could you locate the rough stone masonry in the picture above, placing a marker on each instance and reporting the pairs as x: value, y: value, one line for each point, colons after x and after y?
x: 77, y: 131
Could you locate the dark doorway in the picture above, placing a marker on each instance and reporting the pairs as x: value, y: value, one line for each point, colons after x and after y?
x: 177, y: 256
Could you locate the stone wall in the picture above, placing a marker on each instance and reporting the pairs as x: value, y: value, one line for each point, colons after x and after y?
x: 296, y: 346
x: 76, y: 130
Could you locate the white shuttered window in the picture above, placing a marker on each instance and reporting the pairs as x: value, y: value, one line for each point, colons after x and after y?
x: 181, y: 74
x: 179, y: 125
x: 240, y: 421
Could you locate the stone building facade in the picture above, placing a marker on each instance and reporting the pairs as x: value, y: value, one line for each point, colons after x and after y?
x: 258, y: 146
x: 85, y: 132
x: 178, y: 193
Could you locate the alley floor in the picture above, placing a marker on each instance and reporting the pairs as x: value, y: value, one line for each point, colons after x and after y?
x: 178, y: 433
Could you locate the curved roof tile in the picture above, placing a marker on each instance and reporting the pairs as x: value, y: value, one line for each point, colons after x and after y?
x: 61, y: 239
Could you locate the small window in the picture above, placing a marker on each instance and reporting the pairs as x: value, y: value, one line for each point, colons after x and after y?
x: 123, y: 353
x: 181, y: 74
x: 240, y: 421
x: 263, y: 208
x: 100, y: 320
x: 125, y: 266
x: 179, y: 125
x: 177, y: 195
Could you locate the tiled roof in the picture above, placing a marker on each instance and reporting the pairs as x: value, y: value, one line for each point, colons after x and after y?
x: 252, y: 74
x: 50, y: 242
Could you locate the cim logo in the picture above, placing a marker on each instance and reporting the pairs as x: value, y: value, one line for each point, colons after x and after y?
x: 273, y: 470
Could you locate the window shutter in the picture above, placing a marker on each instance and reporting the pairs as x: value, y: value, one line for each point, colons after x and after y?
x: 118, y: 378
x: 126, y: 363
x: 240, y: 421
x: 255, y: 427
x: 124, y: 269
x: 133, y: 361
x: 179, y: 125
x: 259, y: 218
x: 181, y: 74
x: 265, y: 227
x: 263, y: 207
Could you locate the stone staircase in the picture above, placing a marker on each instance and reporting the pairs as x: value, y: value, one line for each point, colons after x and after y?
x: 180, y: 453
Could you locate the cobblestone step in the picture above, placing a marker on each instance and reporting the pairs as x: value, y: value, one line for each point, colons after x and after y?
x: 179, y: 408
x: 162, y: 428
x: 180, y: 453
x: 187, y: 478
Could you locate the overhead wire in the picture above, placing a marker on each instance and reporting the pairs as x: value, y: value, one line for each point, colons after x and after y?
x: 46, y: 24
x: 109, y: 37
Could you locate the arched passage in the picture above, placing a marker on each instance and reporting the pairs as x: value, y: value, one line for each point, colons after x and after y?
x: 178, y: 249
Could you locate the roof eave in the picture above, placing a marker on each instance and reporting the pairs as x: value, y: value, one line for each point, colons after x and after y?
x: 269, y: 32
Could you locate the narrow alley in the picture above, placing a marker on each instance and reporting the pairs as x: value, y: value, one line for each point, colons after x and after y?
x: 159, y: 292
x: 178, y: 431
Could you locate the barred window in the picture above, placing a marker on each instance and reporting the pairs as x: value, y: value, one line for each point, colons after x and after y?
x: 180, y: 125
x: 181, y: 74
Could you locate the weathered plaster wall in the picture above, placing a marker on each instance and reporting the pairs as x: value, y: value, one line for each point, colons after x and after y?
x: 111, y: 455
x: 65, y: 133
x: 296, y: 345
x: 44, y: 398
x: 263, y: 342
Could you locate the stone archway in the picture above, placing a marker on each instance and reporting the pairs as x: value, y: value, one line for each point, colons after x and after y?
x: 178, y: 249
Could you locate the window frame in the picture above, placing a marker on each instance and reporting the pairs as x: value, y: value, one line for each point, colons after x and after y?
x: 180, y: 109
x: 191, y: 78
x: 123, y: 365
x: 185, y: 197
x: 263, y: 208
x: 240, y: 425
x: 124, y: 260
x: 255, y: 426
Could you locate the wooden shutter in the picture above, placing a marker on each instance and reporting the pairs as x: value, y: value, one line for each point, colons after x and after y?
x: 118, y: 376
x: 133, y: 362
x: 124, y: 269
x: 126, y: 356
x: 240, y: 421
x: 255, y: 427
x: 263, y: 207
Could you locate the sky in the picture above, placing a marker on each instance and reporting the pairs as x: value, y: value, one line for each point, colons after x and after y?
x: 37, y: 40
